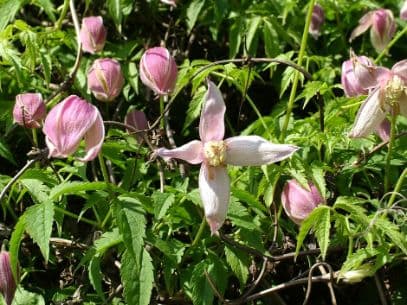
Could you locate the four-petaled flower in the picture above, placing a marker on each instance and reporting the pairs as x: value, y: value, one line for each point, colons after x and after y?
x: 214, y: 153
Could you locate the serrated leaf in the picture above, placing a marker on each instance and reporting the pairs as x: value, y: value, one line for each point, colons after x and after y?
x: 194, y: 108
x: 46, y: 63
x: 95, y: 276
x: 48, y: 7
x: 319, y: 179
x: 74, y: 188
x: 240, y: 217
x: 248, y: 198
x: 235, y: 38
x: 38, y: 223
x: 193, y: 11
x: 310, y: 90
x: 252, y: 34
x: 8, y: 10
x: 107, y: 240
x: 14, y: 245
x: 37, y: 189
x: 24, y: 297
x: 392, y: 231
x: 137, y: 278
x: 349, y: 204
x: 271, y: 40
x: 6, y: 153
x: 115, y: 12
x: 162, y: 202
x: 239, y: 262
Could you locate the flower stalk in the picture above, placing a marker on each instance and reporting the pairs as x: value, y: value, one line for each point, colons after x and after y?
x: 389, y: 151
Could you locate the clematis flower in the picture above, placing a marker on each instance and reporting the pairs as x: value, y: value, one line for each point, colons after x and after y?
x: 29, y: 110
x: 389, y: 95
x: 350, y: 82
x: 7, y: 281
x: 298, y: 202
x: 158, y: 70
x: 382, y: 28
x: 170, y: 2
x: 403, y: 11
x: 105, y: 79
x: 92, y: 34
x: 214, y: 153
x: 317, y: 19
x: 68, y: 123
x: 138, y: 120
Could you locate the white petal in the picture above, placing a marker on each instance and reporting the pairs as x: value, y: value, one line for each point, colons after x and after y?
x: 212, y: 125
x: 369, y: 116
x: 190, y: 152
x: 214, y: 187
x: 255, y: 150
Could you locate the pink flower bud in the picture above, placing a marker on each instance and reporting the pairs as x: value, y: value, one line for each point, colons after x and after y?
x: 68, y: 123
x: 403, y: 11
x: 138, y: 120
x: 92, y: 34
x: 105, y: 79
x: 29, y: 110
x: 158, y: 70
x: 382, y: 28
x: 298, y: 202
x: 317, y: 19
x: 7, y: 283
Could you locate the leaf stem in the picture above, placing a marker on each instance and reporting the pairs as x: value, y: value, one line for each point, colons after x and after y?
x: 390, y: 44
x: 199, y: 233
x: 397, y: 188
x: 296, y: 73
x: 74, y: 216
x: 389, y: 152
x: 62, y: 16
x: 162, y: 113
x: 103, y: 169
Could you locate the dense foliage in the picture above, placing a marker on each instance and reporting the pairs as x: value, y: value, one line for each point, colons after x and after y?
x: 129, y: 227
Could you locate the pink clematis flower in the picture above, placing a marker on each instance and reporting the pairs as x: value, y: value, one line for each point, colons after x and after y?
x: 382, y: 28
x: 29, y: 110
x: 403, y: 11
x: 298, y: 202
x: 7, y: 282
x: 388, y: 94
x: 68, y: 123
x: 214, y: 153
x: 317, y: 19
x: 92, y: 34
x: 350, y: 83
x: 158, y: 70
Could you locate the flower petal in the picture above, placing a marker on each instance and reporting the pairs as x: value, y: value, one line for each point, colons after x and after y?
x: 400, y: 69
x: 94, y: 139
x: 190, y: 152
x: 369, y: 116
x: 212, y: 126
x: 214, y: 187
x: 255, y: 150
x: 364, y: 23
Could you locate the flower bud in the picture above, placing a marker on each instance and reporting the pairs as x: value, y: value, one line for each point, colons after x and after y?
x: 138, y: 120
x: 317, y: 19
x: 92, y: 34
x: 68, y: 123
x: 403, y: 11
x: 350, y: 83
x: 29, y: 110
x: 298, y: 202
x: 158, y: 70
x: 7, y: 283
x: 382, y: 28
x: 105, y: 79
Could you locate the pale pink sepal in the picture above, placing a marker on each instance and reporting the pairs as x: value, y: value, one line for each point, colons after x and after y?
x: 214, y: 187
x: 383, y: 29
x: 383, y: 130
x: 255, y: 150
x: 369, y: 116
x: 190, y: 152
x: 94, y: 138
x: 364, y: 24
x: 350, y: 84
x: 400, y: 69
x: 211, y: 125
x: 367, y: 74
x: 92, y: 34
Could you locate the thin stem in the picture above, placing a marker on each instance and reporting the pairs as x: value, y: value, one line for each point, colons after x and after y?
x: 397, y: 188
x: 256, y: 110
x: 35, y: 137
x: 103, y: 168
x: 74, y: 216
x: 162, y: 113
x: 65, y: 8
x: 109, y: 213
x: 199, y: 233
x: 390, y: 44
x: 301, y: 53
x: 389, y: 151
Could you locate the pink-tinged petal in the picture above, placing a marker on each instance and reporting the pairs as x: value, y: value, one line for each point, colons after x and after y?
x: 400, y: 69
x: 92, y: 34
x: 29, y: 110
x: 255, y: 150
x: 214, y: 187
x: 350, y: 83
x: 369, y: 116
x: 383, y: 28
x: 364, y: 23
x: 212, y: 125
x: 367, y: 74
x: 190, y: 152
x: 403, y: 11
x: 383, y: 130
x: 94, y: 139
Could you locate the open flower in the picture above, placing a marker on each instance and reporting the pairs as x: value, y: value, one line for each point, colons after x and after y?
x: 388, y: 95
x: 382, y: 28
x: 214, y: 153
x: 68, y: 123
x: 29, y: 110
x: 7, y: 282
x: 350, y: 82
x: 92, y: 34
x: 317, y: 19
x: 298, y: 202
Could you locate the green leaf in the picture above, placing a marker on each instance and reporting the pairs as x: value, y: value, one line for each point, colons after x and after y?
x: 115, y: 12
x: 38, y: 219
x: 240, y: 217
x: 37, y: 189
x: 14, y: 245
x: 193, y: 11
x: 137, y: 280
x: 271, y: 40
x: 349, y: 204
x: 162, y: 202
x: 239, y: 262
x: 107, y: 240
x: 248, y: 198
x: 74, y: 188
x: 235, y: 38
x: 8, y: 10
x: 194, y: 108
x: 24, y: 297
x: 252, y: 35
x: 95, y: 276
x: 5, y: 152
x: 311, y: 89
x: 48, y: 7
x: 392, y: 231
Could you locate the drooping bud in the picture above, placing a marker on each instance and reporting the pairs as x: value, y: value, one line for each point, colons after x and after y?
x: 403, y: 11
x: 158, y: 70
x: 382, y: 28
x: 367, y: 74
x: 105, y: 79
x: 7, y: 282
x: 138, y: 120
x: 350, y: 83
x: 92, y: 34
x: 68, y: 123
x: 29, y: 110
x: 317, y: 19
x: 299, y: 202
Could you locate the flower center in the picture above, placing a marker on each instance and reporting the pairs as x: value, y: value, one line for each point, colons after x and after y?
x: 394, y: 89
x: 215, y: 152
